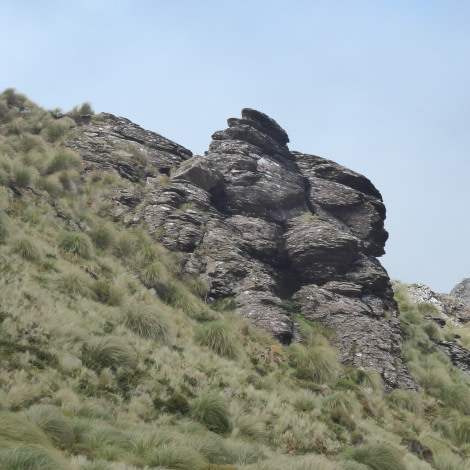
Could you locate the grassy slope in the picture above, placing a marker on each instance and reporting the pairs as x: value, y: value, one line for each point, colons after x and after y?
x: 98, y: 372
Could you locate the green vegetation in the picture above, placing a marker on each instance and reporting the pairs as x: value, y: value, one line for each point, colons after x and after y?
x: 110, y: 358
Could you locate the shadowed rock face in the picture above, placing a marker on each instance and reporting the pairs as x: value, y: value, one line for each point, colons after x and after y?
x: 263, y: 224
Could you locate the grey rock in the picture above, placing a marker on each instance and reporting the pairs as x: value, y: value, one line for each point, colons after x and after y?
x: 262, y: 225
x: 459, y: 355
x: 462, y: 291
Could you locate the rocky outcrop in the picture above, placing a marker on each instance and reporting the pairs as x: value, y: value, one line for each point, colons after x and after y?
x: 462, y: 291
x: 265, y: 225
x: 449, y: 307
x: 446, y: 308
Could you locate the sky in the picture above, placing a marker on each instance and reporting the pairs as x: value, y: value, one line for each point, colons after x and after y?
x: 381, y: 87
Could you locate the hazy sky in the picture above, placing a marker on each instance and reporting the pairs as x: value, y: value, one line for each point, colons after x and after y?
x: 382, y: 87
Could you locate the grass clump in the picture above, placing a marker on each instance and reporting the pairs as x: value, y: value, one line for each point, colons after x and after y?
x: 107, y: 293
x: 405, y: 400
x: 178, y: 457
x: 75, y: 243
x: 153, y: 273
x: 64, y: 160
x: 378, y: 456
x: 26, y: 249
x: 56, y: 130
x: 29, y: 457
x: 102, y: 237
x: 177, y: 403
x: 318, y: 364
x: 108, y: 351
x: 4, y: 227
x: 55, y: 425
x: 218, y: 335
x: 457, y: 396
x: 74, y: 284
x: 213, y: 412
x: 22, y: 176
x: 148, y: 322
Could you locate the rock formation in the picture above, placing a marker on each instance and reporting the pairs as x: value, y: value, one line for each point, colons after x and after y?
x: 448, y: 308
x: 462, y: 291
x: 270, y: 227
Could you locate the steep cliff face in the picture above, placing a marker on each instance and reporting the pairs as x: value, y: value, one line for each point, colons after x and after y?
x: 275, y: 230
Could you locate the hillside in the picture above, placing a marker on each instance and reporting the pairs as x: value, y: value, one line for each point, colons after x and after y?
x: 161, y: 310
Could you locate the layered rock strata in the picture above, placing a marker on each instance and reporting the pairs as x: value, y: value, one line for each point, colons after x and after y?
x: 271, y: 228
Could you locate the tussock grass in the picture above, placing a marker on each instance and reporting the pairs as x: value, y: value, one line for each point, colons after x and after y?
x: 212, y: 411
x: 318, y: 364
x: 457, y: 396
x: 29, y: 457
x: 56, y: 130
x: 251, y: 426
x: 4, y: 227
x: 52, y: 422
x: 107, y: 293
x: 149, y: 322
x: 102, y: 237
x: 340, y: 400
x: 26, y: 249
x: 108, y: 351
x: 153, y: 274
x: 252, y: 403
x: 218, y: 335
x: 22, y: 176
x: 178, y: 457
x: 75, y: 243
x: 307, y: 462
x: 406, y: 400
x: 448, y: 461
x: 378, y: 457
x: 15, y: 429
x: 74, y: 283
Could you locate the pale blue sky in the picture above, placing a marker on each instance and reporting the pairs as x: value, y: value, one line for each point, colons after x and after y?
x: 382, y: 87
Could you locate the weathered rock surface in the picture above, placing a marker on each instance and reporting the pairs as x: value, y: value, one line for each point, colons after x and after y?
x: 459, y: 355
x: 450, y: 308
x: 462, y: 291
x: 263, y: 225
x: 447, y: 308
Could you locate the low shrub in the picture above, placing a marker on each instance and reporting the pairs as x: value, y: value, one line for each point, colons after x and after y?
x: 213, y: 412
